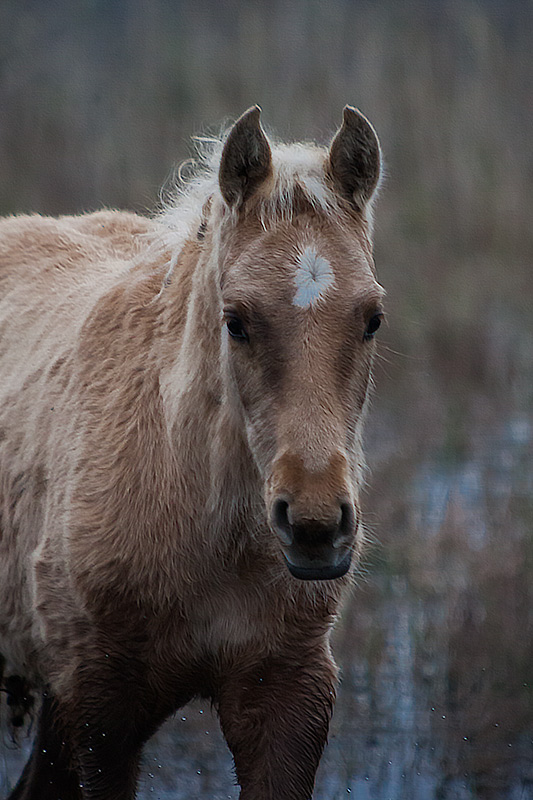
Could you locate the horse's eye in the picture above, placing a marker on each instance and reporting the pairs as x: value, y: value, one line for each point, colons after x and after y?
x: 373, y: 325
x: 236, y: 329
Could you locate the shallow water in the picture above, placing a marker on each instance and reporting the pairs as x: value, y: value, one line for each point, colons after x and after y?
x: 435, y: 644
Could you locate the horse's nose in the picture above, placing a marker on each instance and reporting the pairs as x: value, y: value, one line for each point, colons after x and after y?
x: 315, y: 547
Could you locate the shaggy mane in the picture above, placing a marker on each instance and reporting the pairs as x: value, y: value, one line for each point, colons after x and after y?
x: 298, y: 173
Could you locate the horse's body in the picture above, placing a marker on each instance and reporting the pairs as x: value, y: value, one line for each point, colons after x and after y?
x: 173, y: 448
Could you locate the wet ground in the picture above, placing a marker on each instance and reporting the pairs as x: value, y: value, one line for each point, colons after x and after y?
x: 435, y: 644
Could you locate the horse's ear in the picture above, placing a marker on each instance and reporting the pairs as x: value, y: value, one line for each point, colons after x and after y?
x: 355, y: 158
x: 246, y: 159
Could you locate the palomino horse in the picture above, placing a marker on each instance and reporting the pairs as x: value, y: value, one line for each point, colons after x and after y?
x: 181, y: 404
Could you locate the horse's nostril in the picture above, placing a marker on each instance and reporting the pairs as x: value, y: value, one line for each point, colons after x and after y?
x: 348, y: 521
x: 280, y: 519
x: 313, y: 532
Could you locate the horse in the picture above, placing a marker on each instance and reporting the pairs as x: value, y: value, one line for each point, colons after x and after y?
x: 181, y: 407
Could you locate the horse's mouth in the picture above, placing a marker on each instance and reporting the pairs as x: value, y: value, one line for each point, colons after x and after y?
x: 319, y: 571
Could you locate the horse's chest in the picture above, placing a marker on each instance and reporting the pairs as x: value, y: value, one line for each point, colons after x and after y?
x: 233, y: 621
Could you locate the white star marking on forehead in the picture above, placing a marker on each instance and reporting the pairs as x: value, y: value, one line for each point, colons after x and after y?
x: 313, y: 278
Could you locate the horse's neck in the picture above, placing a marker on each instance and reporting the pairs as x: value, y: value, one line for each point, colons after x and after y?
x: 206, y: 431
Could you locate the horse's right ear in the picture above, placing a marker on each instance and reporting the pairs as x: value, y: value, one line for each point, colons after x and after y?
x: 246, y: 159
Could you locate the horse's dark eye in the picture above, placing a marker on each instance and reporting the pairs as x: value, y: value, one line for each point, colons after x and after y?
x: 236, y: 329
x: 373, y: 325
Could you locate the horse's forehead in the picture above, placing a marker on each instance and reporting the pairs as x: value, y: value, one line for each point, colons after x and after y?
x: 310, y: 263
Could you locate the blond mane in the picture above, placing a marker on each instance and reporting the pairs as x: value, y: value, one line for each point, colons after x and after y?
x: 299, y: 168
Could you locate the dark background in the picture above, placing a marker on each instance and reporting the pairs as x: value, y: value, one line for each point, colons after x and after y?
x: 98, y: 100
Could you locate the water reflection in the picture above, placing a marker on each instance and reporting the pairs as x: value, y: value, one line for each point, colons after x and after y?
x: 437, y: 699
x: 435, y: 644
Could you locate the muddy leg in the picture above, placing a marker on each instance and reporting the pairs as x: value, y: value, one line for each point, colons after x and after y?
x: 49, y: 773
x: 109, y: 771
x: 111, y: 714
x: 275, y: 720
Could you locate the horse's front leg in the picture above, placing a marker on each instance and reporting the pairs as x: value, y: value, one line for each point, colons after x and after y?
x: 275, y: 719
x: 80, y: 755
x: 109, y: 713
x: 108, y: 756
x: 82, y: 750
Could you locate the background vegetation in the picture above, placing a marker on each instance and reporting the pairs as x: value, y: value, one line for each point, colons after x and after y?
x: 98, y: 99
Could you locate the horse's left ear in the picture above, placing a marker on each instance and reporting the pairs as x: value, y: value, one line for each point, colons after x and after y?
x: 246, y: 159
x: 355, y: 158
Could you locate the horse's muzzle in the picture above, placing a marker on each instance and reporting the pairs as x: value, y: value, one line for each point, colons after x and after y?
x: 315, y: 550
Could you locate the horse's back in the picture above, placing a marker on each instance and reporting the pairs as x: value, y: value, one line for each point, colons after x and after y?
x: 52, y: 274
x: 52, y: 271
x: 58, y: 251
